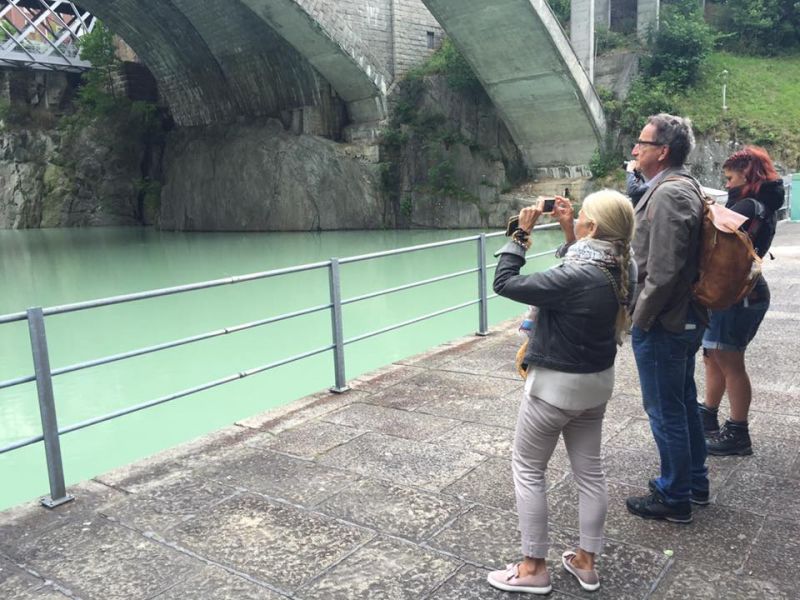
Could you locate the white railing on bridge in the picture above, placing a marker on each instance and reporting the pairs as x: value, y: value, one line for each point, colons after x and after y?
x: 43, y: 34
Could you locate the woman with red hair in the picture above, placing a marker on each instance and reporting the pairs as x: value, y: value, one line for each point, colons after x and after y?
x: 755, y: 190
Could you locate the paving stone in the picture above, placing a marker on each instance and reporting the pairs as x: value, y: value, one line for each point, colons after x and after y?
x: 391, y: 421
x: 85, y: 556
x: 492, y: 484
x: 27, y: 521
x: 14, y: 582
x: 297, y: 413
x: 278, y: 476
x: 635, y: 467
x: 484, y: 536
x: 165, y: 503
x: 403, y: 462
x: 435, y: 357
x: 404, y: 512
x: 214, y: 583
x: 497, y: 360
x: 490, y: 538
x: 786, y: 427
x: 627, y: 571
x: 488, y: 410
x: 775, y: 549
x: 775, y: 402
x: 718, y: 536
x: 433, y: 388
x: 762, y: 494
x: 469, y: 583
x: 45, y: 592
x: 685, y: 580
x: 382, y: 378
x: 141, y: 474
x: 635, y: 435
x: 775, y: 456
x: 308, y: 440
x: 384, y: 568
x: 274, y: 543
x: 494, y: 441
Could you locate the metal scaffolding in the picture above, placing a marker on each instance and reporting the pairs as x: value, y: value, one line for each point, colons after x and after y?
x: 43, y: 34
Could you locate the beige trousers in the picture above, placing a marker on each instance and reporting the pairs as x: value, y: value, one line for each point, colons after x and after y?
x: 539, y: 425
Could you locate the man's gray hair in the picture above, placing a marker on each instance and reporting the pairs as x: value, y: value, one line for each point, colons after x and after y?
x: 675, y: 132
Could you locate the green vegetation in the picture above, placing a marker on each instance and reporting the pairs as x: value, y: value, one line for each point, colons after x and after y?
x: 449, y: 63
x: 761, y: 100
x: 682, y: 73
x: 100, y: 100
x: 765, y: 27
x: 414, y: 130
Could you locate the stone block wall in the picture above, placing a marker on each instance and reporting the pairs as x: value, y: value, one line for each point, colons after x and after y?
x: 413, y: 24
x: 395, y: 31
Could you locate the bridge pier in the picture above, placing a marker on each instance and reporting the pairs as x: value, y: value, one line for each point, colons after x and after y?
x: 586, y: 15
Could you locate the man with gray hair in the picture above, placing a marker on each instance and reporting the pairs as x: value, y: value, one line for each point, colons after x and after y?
x: 667, y: 323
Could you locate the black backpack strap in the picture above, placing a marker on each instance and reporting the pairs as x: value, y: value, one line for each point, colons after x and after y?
x: 759, y: 217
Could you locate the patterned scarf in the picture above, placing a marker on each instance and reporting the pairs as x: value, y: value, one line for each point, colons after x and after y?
x: 593, y: 252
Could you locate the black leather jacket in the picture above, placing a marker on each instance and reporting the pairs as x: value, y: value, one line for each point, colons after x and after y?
x: 575, y: 326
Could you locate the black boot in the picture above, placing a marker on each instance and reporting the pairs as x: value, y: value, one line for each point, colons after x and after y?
x: 732, y: 439
x: 709, y: 418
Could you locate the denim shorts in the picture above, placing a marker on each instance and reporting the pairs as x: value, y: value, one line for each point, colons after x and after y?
x: 735, y: 327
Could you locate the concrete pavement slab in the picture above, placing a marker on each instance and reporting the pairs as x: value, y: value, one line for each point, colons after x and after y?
x: 719, y: 536
x: 391, y: 421
x: 762, y: 493
x: 400, y: 511
x: 276, y: 475
x: 490, y: 484
x: 384, y: 568
x: 214, y: 583
x: 686, y: 580
x: 404, y: 462
x: 102, y: 560
x: 277, y: 544
x: 469, y: 583
x: 484, y: 439
x: 164, y: 503
x: 308, y: 440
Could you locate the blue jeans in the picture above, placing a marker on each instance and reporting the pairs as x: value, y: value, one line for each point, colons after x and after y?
x: 665, y: 361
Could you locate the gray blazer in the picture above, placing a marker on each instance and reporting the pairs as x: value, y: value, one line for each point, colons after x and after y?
x: 668, y: 219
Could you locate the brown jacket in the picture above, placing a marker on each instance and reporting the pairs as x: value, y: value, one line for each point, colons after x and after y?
x: 666, y: 243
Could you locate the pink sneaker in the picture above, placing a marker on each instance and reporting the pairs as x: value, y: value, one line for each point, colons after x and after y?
x: 508, y: 580
x: 588, y: 578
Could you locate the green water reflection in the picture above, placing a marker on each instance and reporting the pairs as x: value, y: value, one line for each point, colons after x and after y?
x: 53, y: 267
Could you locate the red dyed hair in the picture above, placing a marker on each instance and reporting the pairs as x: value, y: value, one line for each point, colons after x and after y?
x: 755, y: 164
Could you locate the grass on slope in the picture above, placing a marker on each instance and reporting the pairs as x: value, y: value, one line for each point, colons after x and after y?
x: 763, y: 99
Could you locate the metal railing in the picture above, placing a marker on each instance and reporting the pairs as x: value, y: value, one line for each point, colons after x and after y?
x: 43, y: 373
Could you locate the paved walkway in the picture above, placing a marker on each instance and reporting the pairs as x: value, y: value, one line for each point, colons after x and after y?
x: 401, y: 488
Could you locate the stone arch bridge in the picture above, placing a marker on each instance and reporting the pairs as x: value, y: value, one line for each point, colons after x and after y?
x: 218, y: 60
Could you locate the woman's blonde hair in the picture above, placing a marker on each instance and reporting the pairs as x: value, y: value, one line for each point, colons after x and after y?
x: 612, y: 214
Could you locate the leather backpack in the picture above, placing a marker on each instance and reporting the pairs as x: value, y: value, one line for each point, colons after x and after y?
x: 728, y: 264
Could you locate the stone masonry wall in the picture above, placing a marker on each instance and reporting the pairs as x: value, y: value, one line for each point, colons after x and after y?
x: 412, y: 22
x: 395, y: 31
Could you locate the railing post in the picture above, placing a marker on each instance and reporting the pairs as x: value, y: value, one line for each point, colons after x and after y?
x: 483, y: 318
x: 47, y: 410
x: 336, y: 327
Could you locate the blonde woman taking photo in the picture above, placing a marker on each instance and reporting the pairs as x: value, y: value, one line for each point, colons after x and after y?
x: 582, y: 316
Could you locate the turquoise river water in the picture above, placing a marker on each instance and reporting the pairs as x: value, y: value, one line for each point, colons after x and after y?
x: 54, y: 267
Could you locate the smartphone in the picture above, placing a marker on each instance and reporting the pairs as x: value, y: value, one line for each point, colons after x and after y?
x: 549, y: 205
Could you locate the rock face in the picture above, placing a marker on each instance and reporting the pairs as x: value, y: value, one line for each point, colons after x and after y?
x: 53, y: 176
x: 87, y: 182
x: 455, y: 160
x: 260, y: 177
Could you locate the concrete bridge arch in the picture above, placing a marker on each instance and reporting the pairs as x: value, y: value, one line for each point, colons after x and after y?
x: 216, y: 60
x: 527, y: 66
